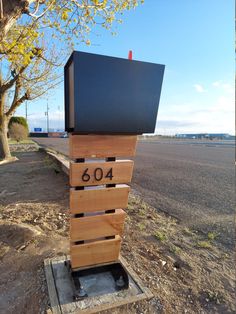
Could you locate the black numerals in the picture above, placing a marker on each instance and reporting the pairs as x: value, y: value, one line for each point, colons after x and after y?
x: 109, y: 174
x: 85, y: 176
x: 98, y: 174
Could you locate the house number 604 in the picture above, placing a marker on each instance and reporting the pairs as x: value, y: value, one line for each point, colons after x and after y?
x: 98, y: 174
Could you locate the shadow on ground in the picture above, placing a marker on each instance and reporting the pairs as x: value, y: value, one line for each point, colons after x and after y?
x: 33, y: 178
x: 33, y: 226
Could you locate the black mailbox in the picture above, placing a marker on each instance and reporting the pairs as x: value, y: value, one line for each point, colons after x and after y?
x: 107, y: 95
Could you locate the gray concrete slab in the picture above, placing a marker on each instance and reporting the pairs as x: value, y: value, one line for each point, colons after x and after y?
x: 100, y: 288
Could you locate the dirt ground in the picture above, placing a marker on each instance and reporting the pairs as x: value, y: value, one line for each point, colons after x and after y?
x: 34, y: 225
x: 191, y: 180
x: 187, y: 271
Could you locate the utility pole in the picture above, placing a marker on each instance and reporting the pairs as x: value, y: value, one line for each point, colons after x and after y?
x: 60, y: 118
x: 46, y: 114
x: 47, y: 117
x: 26, y: 111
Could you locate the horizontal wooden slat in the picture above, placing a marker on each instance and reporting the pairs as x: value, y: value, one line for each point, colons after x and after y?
x: 93, y: 227
x: 85, y: 173
x: 84, y: 201
x: 101, y: 146
x: 93, y: 253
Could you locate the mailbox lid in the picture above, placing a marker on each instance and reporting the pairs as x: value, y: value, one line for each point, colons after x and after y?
x: 113, y: 95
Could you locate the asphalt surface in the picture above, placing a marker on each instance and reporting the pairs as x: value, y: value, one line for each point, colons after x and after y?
x: 192, y: 181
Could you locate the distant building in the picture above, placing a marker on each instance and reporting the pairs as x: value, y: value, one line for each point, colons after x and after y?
x: 219, y: 136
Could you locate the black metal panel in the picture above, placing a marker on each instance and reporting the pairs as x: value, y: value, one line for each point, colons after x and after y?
x: 113, y: 95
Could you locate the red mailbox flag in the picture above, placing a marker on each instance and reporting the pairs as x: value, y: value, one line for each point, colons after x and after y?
x: 130, y: 56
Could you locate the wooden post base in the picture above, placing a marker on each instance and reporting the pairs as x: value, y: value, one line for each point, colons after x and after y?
x: 98, y: 195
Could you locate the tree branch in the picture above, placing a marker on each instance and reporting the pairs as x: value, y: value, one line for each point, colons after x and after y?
x: 11, y: 11
x: 1, y: 10
x: 42, y: 14
x: 37, y: 7
x: 9, y: 84
x: 36, y: 53
x: 87, y: 6
x: 17, y: 103
x: 49, y: 61
x: 16, y: 94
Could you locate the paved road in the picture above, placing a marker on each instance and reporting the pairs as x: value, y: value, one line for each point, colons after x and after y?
x: 194, y: 183
x: 190, y: 180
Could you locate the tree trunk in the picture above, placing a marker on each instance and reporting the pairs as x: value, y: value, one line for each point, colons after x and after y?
x: 10, y: 12
x: 4, y: 146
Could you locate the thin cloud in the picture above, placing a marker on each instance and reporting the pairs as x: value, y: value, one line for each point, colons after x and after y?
x: 226, y: 87
x: 216, y: 83
x: 213, y: 116
x: 175, y: 123
x: 199, y: 88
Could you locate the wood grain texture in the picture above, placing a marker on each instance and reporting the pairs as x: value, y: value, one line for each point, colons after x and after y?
x: 94, y: 227
x: 95, y: 252
x: 121, y: 170
x: 101, y: 146
x: 84, y: 201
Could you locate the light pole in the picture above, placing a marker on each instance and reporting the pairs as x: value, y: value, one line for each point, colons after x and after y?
x: 26, y: 111
x: 46, y: 114
x: 60, y: 118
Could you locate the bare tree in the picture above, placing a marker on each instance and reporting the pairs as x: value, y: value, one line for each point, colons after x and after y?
x: 24, y: 76
x: 27, y: 61
x: 77, y: 15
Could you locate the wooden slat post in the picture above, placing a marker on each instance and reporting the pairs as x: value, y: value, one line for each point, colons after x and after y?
x: 98, y: 195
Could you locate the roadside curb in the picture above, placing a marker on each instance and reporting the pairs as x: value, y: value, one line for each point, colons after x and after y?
x: 61, y: 160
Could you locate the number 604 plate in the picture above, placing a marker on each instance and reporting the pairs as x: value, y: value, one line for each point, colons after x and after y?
x: 99, y: 173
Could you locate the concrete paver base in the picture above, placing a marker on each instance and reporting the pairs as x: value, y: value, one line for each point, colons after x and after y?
x: 100, y: 288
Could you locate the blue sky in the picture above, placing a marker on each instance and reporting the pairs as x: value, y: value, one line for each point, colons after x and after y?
x: 195, y: 40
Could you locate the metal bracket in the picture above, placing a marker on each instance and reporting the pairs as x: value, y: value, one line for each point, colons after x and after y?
x: 116, y: 269
x: 78, y: 290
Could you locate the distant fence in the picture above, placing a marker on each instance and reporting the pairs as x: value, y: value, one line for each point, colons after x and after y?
x: 55, y: 134
x: 45, y: 134
x: 38, y: 134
